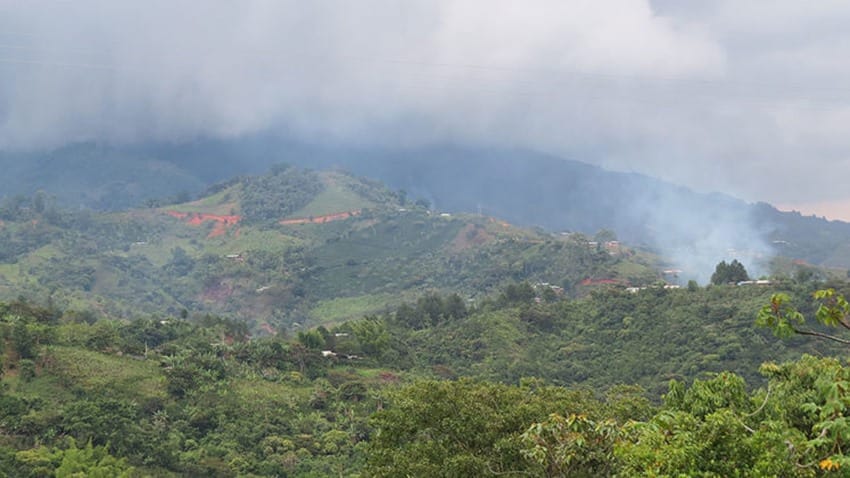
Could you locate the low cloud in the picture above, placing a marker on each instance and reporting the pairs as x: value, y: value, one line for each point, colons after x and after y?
x: 744, y: 98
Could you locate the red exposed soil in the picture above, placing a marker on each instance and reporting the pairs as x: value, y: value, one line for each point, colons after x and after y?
x: 320, y: 219
x: 196, y: 219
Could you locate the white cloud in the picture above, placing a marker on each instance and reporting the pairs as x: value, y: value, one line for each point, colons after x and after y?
x: 743, y: 97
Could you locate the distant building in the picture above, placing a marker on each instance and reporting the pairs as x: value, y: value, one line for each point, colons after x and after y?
x: 755, y: 282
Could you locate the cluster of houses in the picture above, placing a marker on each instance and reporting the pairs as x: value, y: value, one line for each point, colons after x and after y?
x: 634, y: 290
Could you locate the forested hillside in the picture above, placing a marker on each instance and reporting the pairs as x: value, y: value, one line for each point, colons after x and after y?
x: 524, y: 187
x: 611, y: 337
x: 312, y: 323
x: 424, y: 239
x: 434, y: 388
x: 292, y: 246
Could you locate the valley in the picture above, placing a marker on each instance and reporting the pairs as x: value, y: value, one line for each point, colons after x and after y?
x: 424, y: 239
x: 305, y: 309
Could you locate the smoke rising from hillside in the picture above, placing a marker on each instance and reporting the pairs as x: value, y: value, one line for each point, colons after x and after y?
x: 692, y: 231
x: 696, y: 232
x: 719, y: 96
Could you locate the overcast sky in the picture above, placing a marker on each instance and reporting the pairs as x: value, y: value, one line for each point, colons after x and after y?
x: 751, y: 98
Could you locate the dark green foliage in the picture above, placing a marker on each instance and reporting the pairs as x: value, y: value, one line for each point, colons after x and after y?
x: 174, y: 397
x: 431, y: 309
x: 70, y: 461
x: 463, y: 428
x: 311, y: 339
x: 195, y: 395
x: 26, y: 370
x: 610, y: 337
x: 103, y: 421
x: 201, y: 400
x: 180, y: 264
x: 518, y: 293
x: 23, y: 239
x: 794, y: 427
x: 371, y: 335
x: 731, y: 273
x: 273, y: 197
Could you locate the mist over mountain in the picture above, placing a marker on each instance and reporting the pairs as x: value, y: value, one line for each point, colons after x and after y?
x: 390, y: 238
x: 472, y: 105
x: 693, y: 230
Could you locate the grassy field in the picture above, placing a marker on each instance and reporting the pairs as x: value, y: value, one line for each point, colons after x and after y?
x: 8, y: 271
x: 252, y: 239
x: 271, y: 397
x: 97, y: 371
x: 336, y: 197
x: 346, y: 308
x: 635, y: 271
x: 225, y: 202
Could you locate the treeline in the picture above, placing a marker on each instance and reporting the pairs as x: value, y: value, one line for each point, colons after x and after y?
x: 174, y: 397
x: 795, y: 426
x: 195, y: 395
x: 276, y: 195
x: 610, y: 337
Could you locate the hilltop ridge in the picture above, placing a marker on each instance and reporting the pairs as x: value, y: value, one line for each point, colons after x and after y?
x: 294, y: 246
x: 524, y: 187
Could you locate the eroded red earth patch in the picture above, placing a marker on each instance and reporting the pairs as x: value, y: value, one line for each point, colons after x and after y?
x: 196, y: 219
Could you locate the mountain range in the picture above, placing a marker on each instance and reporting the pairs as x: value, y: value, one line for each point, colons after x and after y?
x: 693, y: 230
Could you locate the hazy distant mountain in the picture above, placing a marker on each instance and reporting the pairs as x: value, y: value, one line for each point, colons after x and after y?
x: 695, y: 230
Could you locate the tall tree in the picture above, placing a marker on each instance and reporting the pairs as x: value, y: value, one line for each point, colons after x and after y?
x: 729, y: 273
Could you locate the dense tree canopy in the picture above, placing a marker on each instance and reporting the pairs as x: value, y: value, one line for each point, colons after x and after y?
x: 196, y: 395
x: 730, y: 273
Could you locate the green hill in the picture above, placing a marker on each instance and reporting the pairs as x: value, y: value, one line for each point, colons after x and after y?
x: 312, y: 323
x: 292, y: 247
x: 524, y: 187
